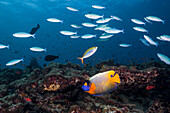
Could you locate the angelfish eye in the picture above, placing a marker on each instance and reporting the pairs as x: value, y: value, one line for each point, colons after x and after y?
x: 113, y: 75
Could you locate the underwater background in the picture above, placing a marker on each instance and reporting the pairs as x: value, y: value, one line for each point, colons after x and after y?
x: 41, y: 86
x: 17, y: 16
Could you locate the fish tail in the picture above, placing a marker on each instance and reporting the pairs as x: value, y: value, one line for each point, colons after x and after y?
x: 123, y: 30
x: 62, y: 21
x: 76, y: 32
x: 45, y: 49
x: 33, y: 36
x: 103, y: 16
x: 157, y: 44
x: 8, y: 46
x: 22, y: 59
x: 81, y: 59
x: 163, y: 21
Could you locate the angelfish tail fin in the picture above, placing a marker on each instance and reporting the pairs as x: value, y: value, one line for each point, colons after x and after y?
x: 81, y: 59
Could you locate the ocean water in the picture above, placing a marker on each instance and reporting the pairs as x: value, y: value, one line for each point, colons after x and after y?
x: 23, y: 15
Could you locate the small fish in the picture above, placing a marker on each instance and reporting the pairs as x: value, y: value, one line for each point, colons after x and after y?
x: 75, y: 26
x: 54, y: 20
x: 141, y: 29
x: 144, y: 41
x: 88, y: 53
x: 165, y: 37
x: 106, y: 35
x: 87, y: 36
x: 15, y: 61
x: 89, y: 24
x: 116, y: 18
x: 34, y: 29
x: 136, y: 21
x: 114, y: 30
x: 68, y: 33
x: 150, y: 40
x: 93, y: 16
x: 159, y: 38
x: 72, y: 9
x: 28, y: 99
x: 156, y: 19
x: 150, y: 87
x: 23, y: 35
x: 50, y: 57
x: 125, y: 45
x: 102, y: 83
x: 103, y: 20
x: 147, y: 20
x: 164, y: 58
x: 4, y: 46
x: 38, y: 49
x: 74, y: 36
x: 102, y: 27
x: 98, y: 7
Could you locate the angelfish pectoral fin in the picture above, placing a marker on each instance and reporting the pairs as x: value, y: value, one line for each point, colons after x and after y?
x: 93, y: 86
x: 116, y: 78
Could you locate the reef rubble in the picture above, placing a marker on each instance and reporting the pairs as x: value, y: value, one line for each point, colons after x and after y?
x: 57, y: 89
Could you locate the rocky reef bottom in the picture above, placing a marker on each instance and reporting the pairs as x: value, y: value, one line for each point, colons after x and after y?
x: 57, y: 89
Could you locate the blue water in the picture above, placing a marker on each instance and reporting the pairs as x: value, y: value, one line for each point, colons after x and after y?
x: 23, y: 15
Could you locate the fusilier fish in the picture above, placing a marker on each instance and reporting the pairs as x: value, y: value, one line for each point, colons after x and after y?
x: 93, y: 16
x: 74, y: 36
x: 156, y: 19
x: 136, y: 21
x: 104, y: 20
x: 144, y: 41
x: 54, y: 20
x: 89, y: 24
x: 106, y: 35
x: 88, y: 53
x: 72, y: 9
x: 147, y: 20
x: 125, y: 45
x: 140, y: 29
x: 4, y: 46
x: 38, y: 49
x: 165, y: 37
x: 114, y: 31
x: 15, y: 61
x: 164, y: 58
x: 98, y: 7
x: 150, y: 40
x: 23, y: 35
x: 68, y: 33
x: 75, y: 26
x: 116, y: 18
x: 87, y: 36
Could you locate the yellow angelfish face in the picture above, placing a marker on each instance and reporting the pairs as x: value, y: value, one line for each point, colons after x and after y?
x: 113, y: 76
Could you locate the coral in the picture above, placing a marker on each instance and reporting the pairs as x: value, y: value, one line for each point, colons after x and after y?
x: 57, y: 89
x: 52, y: 87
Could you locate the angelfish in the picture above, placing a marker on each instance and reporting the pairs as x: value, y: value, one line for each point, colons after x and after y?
x: 88, y: 53
x: 102, y: 83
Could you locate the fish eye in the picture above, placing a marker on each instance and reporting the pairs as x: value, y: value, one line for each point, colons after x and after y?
x: 111, y: 75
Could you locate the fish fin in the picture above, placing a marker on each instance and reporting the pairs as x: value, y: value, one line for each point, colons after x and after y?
x: 22, y: 59
x: 33, y: 35
x: 98, y: 94
x: 123, y: 30
x: 116, y: 78
x: 45, y: 49
x: 163, y: 21
x: 62, y: 21
x: 81, y: 59
x: 157, y: 44
x: 103, y: 16
x: 76, y: 32
x: 112, y: 89
x: 8, y: 46
x: 93, y: 87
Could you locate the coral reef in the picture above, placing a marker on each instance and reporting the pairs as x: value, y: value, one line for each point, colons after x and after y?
x: 57, y: 89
